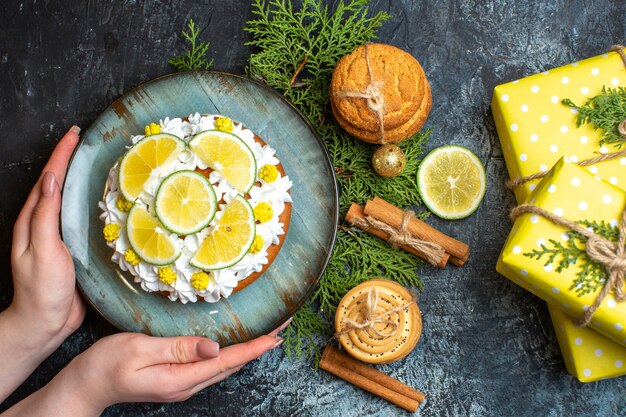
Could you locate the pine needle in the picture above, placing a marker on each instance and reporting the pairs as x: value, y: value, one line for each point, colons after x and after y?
x: 591, y: 275
x: 297, y: 50
x: 605, y: 112
x: 195, y: 58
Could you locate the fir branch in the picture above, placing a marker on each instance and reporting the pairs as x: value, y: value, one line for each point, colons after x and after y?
x: 358, y: 257
x: 286, y: 37
x: 195, y: 57
x: 300, y: 334
x: 297, y: 50
x: 605, y: 112
x: 566, y: 255
x: 356, y: 178
x: 591, y: 275
x: 589, y: 279
x: 604, y: 229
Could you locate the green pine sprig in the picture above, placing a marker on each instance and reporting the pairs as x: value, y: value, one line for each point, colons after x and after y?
x: 297, y: 50
x: 300, y: 335
x: 605, y: 112
x: 591, y: 275
x: 195, y: 58
x: 565, y: 255
x: 299, y: 47
x: 602, y: 228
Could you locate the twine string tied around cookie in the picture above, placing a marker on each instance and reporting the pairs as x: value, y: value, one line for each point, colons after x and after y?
x: 611, y: 255
x: 370, y: 319
x: 372, y: 94
x: 401, y: 236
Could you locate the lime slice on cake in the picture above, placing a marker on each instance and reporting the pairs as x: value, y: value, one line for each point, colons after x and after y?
x: 230, y: 240
x: 227, y: 154
x: 451, y: 181
x: 145, y: 157
x: 185, y: 202
x: 148, y: 238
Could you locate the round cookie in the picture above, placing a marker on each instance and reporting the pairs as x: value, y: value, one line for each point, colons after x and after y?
x: 396, y: 327
x: 412, y: 126
x: 398, y: 76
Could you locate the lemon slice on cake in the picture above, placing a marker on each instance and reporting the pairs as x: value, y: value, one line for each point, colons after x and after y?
x: 227, y: 154
x: 149, y: 239
x: 230, y: 239
x: 143, y: 159
x: 451, y: 181
x: 185, y: 202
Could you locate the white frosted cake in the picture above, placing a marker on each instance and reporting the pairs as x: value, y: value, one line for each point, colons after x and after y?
x: 196, y: 208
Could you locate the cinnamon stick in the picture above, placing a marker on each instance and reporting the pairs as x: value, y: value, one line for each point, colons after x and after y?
x: 356, y: 212
x: 457, y: 261
x: 371, y: 380
x: 392, y: 215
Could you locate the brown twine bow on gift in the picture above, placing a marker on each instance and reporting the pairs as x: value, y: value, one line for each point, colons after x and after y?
x: 370, y: 319
x: 373, y: 95
x: 621, y: 128
x: 610, y: 255
x: 401, y: 236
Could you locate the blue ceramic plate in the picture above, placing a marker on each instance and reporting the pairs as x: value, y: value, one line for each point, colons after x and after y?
x: 292, y: 276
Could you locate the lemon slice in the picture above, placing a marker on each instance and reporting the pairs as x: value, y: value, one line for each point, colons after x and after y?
x: 185, y: 202
x: 145, y: 157
x: 230, y: 240
x: 451, y: 181
x: 227, y: 154
x: 148, y: 239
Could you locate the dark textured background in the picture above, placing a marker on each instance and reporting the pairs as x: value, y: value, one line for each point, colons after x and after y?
x: 488, y: 348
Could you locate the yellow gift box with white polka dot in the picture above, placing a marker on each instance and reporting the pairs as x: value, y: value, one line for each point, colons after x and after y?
x: 588, y: 355
x: 576, y: 194
x: 535, y: 128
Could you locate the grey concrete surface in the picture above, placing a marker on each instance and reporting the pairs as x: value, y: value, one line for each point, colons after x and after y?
x: 488, y: 347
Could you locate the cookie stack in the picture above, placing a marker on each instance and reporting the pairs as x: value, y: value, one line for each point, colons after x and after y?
x: 379, y: 82
x: 378, y: 321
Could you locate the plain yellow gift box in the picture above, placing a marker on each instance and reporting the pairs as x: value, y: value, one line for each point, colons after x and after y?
x: 535, y: 128
x: 588, y: 355
x: 576, y: 194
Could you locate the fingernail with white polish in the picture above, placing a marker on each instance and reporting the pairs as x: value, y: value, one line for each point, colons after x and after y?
x: 208, y: 349
x: 75, y: 129
x: 48, y: 182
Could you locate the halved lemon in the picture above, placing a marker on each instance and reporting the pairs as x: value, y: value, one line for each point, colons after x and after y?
x: 451, y: 181
x: 185, y: 202
x: 149, y: 239
x: 227, y: 154
x: 145, y: 157
x: 231, y: 238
